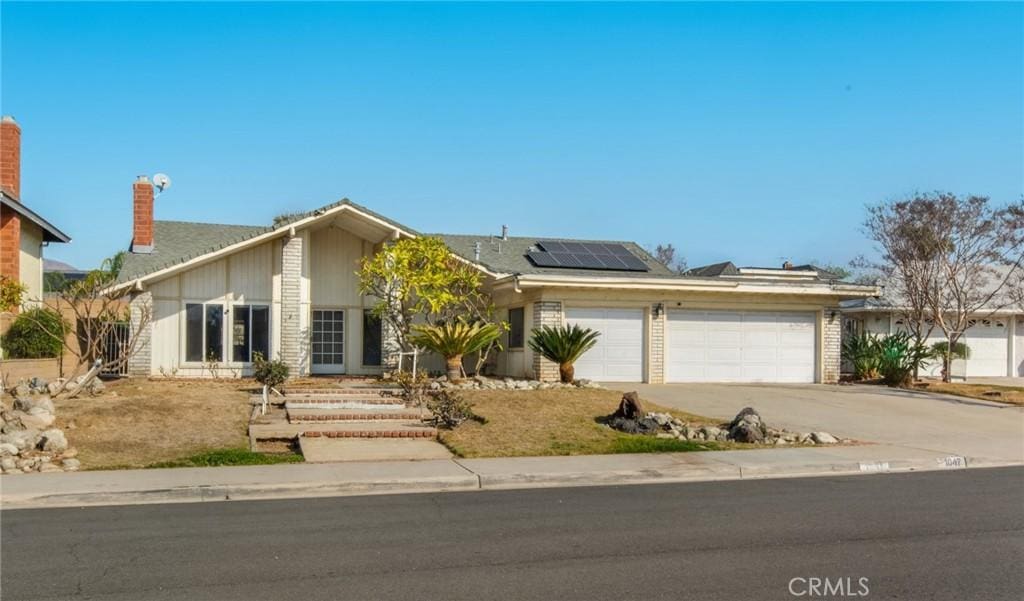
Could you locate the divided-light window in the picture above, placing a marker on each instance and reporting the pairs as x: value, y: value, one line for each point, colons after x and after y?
x: 205, y: 332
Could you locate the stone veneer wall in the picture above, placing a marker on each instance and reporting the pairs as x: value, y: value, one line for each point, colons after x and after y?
x: 832, y: 342
x: 546, y: 313
x: 141, y: 305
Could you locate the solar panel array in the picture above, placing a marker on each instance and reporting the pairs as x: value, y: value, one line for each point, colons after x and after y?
x: 585, y: 255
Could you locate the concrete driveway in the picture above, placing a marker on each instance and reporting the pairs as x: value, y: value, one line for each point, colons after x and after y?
x: 912, y: 420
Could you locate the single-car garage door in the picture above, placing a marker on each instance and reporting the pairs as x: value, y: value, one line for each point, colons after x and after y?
x: 618, y: 355
x: 988, y: 344
x: 739, y: 346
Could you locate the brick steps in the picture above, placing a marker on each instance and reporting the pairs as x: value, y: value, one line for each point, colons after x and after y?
x: 295, y: 417
x: 335, y: 404
x: 421, y: 433
x: 364, y: 391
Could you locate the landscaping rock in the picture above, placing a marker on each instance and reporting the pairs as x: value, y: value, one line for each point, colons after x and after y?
x: 7, y: 448
x: 748, y: 427
x: 629, y: 407
x: 30, y: 402
x: 21, y: 439
x: 71, y: 464
x: 49, y: 467
x: 96, y: 387
x: 823, y: 438
x: 37, y: 419
x: 53, y: 441
x: 21, y: 390
x: 9, y: 464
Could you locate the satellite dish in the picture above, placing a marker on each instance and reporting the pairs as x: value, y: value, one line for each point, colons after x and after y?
x: 161, y: 181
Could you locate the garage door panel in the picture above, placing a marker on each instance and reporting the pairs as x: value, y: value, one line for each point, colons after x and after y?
x: 618, y: 353
x: 740, y: 346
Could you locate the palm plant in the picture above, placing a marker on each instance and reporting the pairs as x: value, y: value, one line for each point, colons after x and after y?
x: 563, y: 345
x: 454, y: 339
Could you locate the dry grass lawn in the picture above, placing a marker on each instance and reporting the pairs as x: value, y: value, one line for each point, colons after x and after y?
x: 138, y: 422
x: 555, y: 422
x: 1011, y: 395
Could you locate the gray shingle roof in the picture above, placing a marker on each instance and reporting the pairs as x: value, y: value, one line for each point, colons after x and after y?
x: 509, y: 256
x: 714, y: 270
x: 175, y: 242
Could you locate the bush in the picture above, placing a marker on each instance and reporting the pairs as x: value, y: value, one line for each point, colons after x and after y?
x: 449, y: 409
x: 863, y: 351
x: 899, y: 357
x: 269, y: 373
x: 960, y: 350
x: 563, y: 345
x: 35, y: 334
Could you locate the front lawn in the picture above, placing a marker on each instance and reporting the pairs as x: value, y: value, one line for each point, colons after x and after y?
x: 1011, y: 395
x: 139, y: 422
x: 558, y: 422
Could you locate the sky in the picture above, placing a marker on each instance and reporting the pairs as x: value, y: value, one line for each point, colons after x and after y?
x: 748, y: 132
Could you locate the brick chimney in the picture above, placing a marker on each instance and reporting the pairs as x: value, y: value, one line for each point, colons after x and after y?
x: 142, y: 203
x: 10, y: 182
x: 787, y: 265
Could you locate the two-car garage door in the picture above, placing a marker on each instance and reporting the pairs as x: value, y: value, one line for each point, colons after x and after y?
x: 702, y: 346
x: 739, y: 346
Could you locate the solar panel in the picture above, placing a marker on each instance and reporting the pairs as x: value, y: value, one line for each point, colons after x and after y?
x: 542, y: 259
x: 585, y: 255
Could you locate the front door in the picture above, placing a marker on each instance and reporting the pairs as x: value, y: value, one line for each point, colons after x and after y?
x: 328, y: 341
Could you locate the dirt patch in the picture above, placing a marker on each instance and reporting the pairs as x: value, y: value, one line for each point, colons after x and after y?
x: 547, y: 422
x: 139, y: 422
x: 1011, y: 395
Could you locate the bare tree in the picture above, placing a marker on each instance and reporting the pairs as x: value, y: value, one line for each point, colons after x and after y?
x: 948, y: 260
x: 107, y: 327
x: 666, y: 255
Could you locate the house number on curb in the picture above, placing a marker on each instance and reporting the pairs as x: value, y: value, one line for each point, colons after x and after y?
x: 952, y: 462
x: 875, y: 466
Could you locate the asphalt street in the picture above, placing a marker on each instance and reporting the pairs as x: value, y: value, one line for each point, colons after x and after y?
x: 938, y: 535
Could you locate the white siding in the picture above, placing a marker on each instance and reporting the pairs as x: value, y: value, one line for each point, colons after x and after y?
x: 205, y: 283
x: 250, y: 274
x: 166, y: 336
x: 31, y: 261
x: 334, y: 260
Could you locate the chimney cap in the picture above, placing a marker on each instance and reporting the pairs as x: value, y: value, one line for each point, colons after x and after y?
x: 142, y: 179
x: 8, y: 119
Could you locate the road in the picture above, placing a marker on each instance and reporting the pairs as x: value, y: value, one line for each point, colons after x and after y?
x: 937, y: 535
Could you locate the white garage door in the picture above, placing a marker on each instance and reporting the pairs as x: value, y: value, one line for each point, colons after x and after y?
x: 618, y: 355
x: 988, y: 343
x: 737, y: 346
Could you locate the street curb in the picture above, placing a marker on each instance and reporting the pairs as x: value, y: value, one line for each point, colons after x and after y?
x: 713, y: 471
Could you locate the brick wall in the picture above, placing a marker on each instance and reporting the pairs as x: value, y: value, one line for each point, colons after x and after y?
x: 657, y: 361
x: 546, y: 313
x: 832, y: 341
x: 10, y: 244
x: 141, y: 305
x: 292, y: 343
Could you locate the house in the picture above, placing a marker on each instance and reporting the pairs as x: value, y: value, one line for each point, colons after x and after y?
x: 23, y: 233
x: 995, y: 338
x: 291, y: 290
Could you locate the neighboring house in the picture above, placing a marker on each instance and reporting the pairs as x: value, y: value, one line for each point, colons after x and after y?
x: 226, y: 291
x: 58, y: 273
x: 23, y: 233
x: 995, y: 338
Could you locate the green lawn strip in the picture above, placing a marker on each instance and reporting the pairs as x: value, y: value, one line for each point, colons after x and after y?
x: 224, y: 457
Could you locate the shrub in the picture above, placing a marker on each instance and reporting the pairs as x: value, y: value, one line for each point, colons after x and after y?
x: 449, y: 409
x: 563, y: 345
x: 36, y: 334
x: 271, y: 373
x: 863, y: 351
x: 899, y: 358
x: 960, y: 350
x: 11, y: 293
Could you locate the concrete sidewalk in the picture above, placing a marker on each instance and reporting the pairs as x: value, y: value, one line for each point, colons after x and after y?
x: 123, y: 487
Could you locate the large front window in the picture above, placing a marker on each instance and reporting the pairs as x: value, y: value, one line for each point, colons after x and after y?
x: 205, y: 332
x: 250, y: 332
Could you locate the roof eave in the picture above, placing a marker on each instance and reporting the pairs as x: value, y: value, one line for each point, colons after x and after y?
x: 50, y: 231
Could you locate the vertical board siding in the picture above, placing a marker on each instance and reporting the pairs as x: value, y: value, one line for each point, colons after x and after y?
x: 205, y: 283
x: 166, y: 335
x: 334, y: 258
x: 250, y: 274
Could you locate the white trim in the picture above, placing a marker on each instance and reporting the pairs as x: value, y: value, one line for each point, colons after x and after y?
x: 688, y: 284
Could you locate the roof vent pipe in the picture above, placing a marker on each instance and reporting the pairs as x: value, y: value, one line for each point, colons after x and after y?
x: 476, y: 251
x: 504, y: 232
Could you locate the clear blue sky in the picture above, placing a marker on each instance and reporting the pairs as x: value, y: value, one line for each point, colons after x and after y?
x: 748, y: 132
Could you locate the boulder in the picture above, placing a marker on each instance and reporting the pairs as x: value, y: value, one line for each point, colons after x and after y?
x: 21, y: 390
x: 748, y: 426
x: 38, y: 418
x: 96, y: 387
x: 54, y: 387
x: 643, y: 425
x: 21, y: 439
x: 71, y: 464
x: 8, y: 464
x: 49, y: 467
x: 53, y: 440
x: 7, y: 449
x: 823, y: 438
x: 629, y: 407
x: 30, y: 402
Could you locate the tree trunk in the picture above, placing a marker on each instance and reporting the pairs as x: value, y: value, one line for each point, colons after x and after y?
x: 567, y: 373
x: 453, y: 365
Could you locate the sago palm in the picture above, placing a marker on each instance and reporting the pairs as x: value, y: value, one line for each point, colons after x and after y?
x: 563, y: 345
x: 454, y: 339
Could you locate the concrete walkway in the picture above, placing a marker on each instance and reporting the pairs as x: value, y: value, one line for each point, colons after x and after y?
x: 123, y: 487
x: 904, y: 419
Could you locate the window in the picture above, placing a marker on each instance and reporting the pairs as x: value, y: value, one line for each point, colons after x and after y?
x: 515, y: 331
x: 372, y: 337
x: 250, y: 332
x: 328, y: 337
x: 204, y: 332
